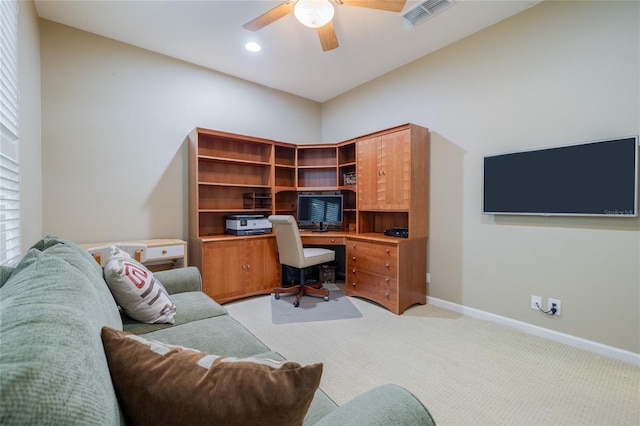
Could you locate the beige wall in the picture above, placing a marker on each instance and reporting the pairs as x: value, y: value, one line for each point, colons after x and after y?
x: 558, y: 73
x: 30, y: 132
x: 115, y: 121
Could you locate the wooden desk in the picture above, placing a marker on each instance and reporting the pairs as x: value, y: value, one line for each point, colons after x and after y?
x: 160, y: 253
x: 390, y: 271
x: 234, y: 266
x: 387, y: 270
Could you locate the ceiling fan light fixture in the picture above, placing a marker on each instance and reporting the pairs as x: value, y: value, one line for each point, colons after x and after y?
x: 313, y: 13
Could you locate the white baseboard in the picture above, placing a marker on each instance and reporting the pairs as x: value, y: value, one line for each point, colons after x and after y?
x: 578, y: 342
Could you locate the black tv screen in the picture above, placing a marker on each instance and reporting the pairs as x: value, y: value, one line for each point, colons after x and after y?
x: 589, y: 179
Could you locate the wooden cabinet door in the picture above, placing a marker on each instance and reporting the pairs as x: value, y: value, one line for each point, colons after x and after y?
x: 262, y: 265
x: 368, y: 173
x: 384, y: 178
x: 223, y: 269
x: 394, y: 182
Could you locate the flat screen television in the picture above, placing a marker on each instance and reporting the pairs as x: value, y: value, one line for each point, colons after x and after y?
x: 597, y: 178
x: 323, y: 209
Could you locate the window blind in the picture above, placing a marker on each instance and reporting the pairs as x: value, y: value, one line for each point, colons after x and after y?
x: 9, y: 139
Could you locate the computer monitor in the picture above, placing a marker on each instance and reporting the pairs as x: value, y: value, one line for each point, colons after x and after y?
x: 325, y: 210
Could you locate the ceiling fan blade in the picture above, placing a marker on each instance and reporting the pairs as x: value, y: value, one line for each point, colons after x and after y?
x: 328, y: 38
x: 388, y: 5
x: 270, y: 16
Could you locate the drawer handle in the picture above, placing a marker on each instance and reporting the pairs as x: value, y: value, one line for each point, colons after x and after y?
x: 386, y: 265
x: 387, y: 280
x: 164, y: 251
x: 353, y: 258
x: 353, y: 270
x: 353, y: 284
x: 386, y: 295
x: 387, y: 251
x: 333, y: 240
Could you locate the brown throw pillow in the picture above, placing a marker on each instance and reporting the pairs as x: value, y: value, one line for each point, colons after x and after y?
x: 160, y: 384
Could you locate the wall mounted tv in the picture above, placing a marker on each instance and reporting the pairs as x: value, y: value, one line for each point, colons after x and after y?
x: 323, y: 209
x: 597, y: 178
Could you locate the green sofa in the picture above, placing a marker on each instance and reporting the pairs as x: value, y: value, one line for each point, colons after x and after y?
x: 53, y: 369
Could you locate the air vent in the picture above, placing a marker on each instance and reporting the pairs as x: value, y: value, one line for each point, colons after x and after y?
x: 425, y: 10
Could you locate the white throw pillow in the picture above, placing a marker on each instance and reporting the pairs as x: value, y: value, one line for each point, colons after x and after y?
x: 136, y: 290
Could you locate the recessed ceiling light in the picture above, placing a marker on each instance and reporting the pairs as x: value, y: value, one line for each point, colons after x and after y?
x: 252, y: 46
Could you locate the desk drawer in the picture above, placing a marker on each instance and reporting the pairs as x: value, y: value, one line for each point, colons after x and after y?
x: 322, y: 240
x: 381, y: 289
x: 165, y: 252
x: 376, y: 258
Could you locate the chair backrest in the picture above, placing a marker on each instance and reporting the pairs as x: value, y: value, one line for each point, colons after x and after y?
x: 290, y: 247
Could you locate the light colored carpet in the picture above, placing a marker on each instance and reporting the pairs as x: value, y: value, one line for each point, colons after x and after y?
x: 313, y: 308
x: 465, y: 370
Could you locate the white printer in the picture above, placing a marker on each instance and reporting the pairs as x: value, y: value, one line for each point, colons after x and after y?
x: 247, y: 224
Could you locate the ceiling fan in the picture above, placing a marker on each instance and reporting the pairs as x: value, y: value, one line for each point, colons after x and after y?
x: 318, y: 14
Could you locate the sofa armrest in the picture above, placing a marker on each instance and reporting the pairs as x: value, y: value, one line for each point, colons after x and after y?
x: 384, y: 406
x: 180, y: 280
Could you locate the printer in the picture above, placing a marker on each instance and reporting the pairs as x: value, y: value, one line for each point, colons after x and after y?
x: 247, y: 224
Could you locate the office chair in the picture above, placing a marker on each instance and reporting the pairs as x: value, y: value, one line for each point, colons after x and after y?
x: 292, y: 253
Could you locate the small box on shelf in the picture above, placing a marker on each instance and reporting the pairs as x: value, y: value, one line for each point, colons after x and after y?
x: 349, y: 178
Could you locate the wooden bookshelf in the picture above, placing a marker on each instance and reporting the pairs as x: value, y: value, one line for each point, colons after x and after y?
x: 383, y: 178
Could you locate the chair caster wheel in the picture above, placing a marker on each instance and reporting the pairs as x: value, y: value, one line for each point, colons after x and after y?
x: 296, y: 304
x: 277, y: 296
x: 326, y: 298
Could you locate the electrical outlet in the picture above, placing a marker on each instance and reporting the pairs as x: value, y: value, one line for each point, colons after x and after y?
x: 428, y: 278
x: 534, y: 300
x: 558, y: 306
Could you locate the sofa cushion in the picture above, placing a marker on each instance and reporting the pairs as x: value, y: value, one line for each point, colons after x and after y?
x: 191, y: 306
x: 137, y: 291
x: 83, y: 262
x: 158, y: 383
x: 180, y: 280
x: 215, y: 335
x: 70, y: 252
x: 52, y: 363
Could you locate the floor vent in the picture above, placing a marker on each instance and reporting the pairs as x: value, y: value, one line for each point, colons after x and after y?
x: 425, y: 10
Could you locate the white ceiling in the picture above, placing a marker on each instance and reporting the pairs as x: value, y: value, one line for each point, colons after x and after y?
x: 210, y: 34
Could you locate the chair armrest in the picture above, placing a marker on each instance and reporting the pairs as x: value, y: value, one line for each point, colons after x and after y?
x: 180, y: 280
x: 382, y: 406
